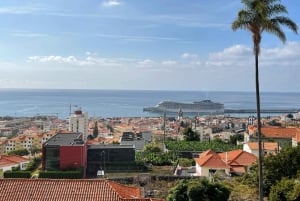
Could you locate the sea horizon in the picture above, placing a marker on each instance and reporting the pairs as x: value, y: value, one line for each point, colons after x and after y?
x: 126, y: 103
x: 170, y: 90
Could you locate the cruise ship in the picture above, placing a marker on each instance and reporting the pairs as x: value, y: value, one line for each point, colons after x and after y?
x: 198, y: 107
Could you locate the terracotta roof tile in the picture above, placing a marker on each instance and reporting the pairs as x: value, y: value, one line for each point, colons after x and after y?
x: 11, y: 160
x: 275, y: 132
x: 238, y: 157
x: 210, y: 159
x: 65, y: 190
x: 238, y: 169
x: 271, y: 146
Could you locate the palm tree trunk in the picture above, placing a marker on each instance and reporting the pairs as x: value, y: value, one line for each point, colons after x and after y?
x: 260, y: 156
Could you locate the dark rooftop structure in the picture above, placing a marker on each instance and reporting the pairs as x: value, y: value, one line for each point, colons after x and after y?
x: 137, y: 140
x: 109, y: 146
x: 66, y: 139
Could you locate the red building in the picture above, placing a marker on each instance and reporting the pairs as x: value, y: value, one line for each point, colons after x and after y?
x: 64, y: 151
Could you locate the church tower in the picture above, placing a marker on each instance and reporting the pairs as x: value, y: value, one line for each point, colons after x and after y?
x: 180, y: 115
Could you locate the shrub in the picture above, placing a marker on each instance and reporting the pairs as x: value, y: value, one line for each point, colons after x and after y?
x: 17, y: 174
x: 61, y: 174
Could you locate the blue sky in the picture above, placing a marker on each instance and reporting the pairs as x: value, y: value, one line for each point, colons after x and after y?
x: 139, y: 44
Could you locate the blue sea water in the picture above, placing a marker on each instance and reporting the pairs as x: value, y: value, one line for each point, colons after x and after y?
x: 125, y: 103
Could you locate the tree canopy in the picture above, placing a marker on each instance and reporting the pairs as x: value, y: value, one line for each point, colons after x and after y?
x: 190, y: 135
x: 198, y: 190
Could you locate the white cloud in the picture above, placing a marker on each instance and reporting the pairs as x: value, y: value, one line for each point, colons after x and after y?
x: 287, y: 55
x: 189, y: 56
x: 28, y: 34
x: 59, y: 59
x: 111, y: 3
x: 169, y: 63
x: 231, y: 69
x: 234, y: 56
x: 146, y: 63
x: 17, y: 10
x: 135, y: 37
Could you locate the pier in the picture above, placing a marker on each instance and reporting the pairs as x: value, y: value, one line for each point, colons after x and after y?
x: 277, y: 111
x: 227, y: 111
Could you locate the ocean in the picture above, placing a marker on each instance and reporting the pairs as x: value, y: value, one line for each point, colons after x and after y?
x: 125, y: 103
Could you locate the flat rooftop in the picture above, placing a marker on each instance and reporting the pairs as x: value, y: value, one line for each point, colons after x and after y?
x: 109, y: 146
x: 66, y: 139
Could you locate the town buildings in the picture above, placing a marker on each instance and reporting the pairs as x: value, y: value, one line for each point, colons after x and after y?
x: 68, y: 151
x: 28, y: 140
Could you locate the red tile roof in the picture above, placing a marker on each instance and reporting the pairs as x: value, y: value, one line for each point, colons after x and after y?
x: 238, y: 169
x: 275, y: 132
x: 67, y: 190
x: 12, y: 160
x: 236, y: 160
x: 271, y: 146
x: 210, y: 159
x: 238, y: 157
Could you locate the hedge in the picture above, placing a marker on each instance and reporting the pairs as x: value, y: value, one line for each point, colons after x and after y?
x: 17, y: 174
x: 61, y: 174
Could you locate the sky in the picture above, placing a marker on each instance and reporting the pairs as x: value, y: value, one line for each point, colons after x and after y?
x: 140, y: 45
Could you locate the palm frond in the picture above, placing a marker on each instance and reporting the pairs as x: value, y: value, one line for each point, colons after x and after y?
x: 276, y: 9
x: 286, y: 22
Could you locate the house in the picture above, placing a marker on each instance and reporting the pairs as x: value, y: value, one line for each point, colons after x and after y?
x: 296, y: 140
x: 268, y: 148
x: 208, y: 163
x: 204, y: 132
x: 238, y: 160
x: 8, y: 162
x: 232, y: 162
x: 64, y: 151
x: 281, y: 135
x: 28, y: 140
x: 67, y: 189
x: 2, y: 147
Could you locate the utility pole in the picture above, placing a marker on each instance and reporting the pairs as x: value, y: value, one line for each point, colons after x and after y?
x: 164, y: 127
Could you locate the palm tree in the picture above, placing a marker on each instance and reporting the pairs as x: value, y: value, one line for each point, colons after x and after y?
x: 259, y: 16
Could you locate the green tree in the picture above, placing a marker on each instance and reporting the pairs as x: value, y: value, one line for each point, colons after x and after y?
x: 236, y: 137
x: 153, y: 148
x: 285, y: 190
x: 95, y: 130
x: 286, y: 164
x: 20, y: 152
x: 259, y: 16
x: 190, y: 135
x: 198, y: 190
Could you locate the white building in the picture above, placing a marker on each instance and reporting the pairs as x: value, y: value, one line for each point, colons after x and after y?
x: 78, y: 123
x: 8, y: 162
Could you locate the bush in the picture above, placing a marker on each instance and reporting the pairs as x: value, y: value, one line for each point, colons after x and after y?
x: 34, y: 164
x: 19, y: 152
x: 198, y: 189
x: 61, y: 174
x: 17, y: 174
